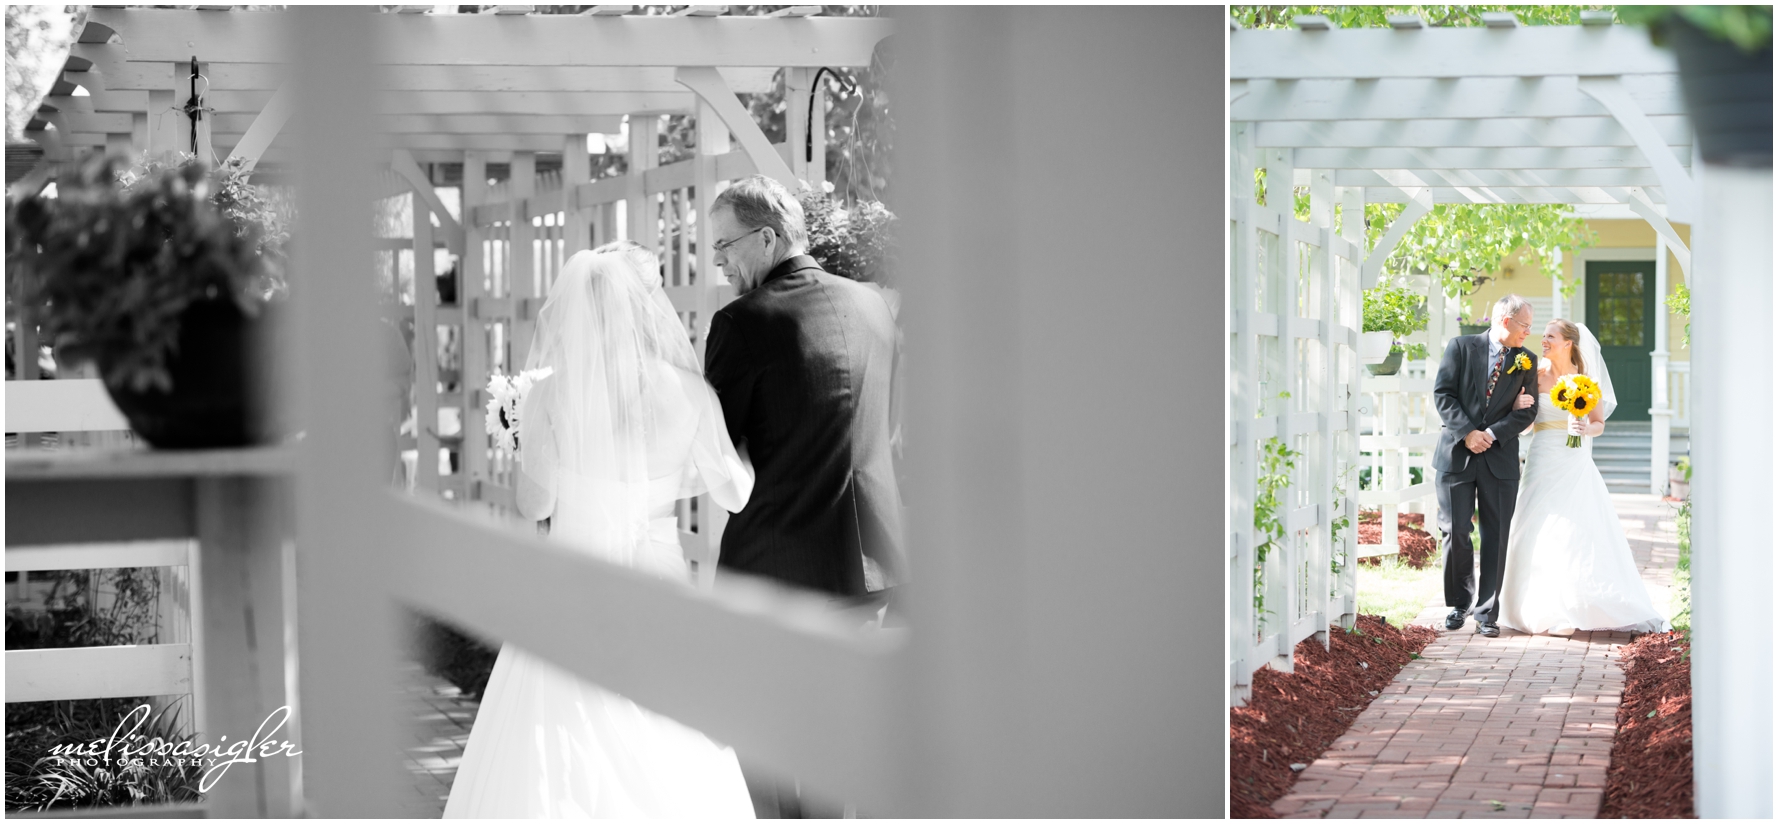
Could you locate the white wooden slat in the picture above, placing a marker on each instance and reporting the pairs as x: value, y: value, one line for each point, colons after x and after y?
x: 1392, y: 497
x: 1421, y: 440
x: 1302, y: 518
x: 97, y: 672
x: 711, y: 89
x: 1304, y: 327
x: 715, y: 662
x: 98, y: 556
x: 521, y: 40
x: 1479, y: 98
x: 97, y: 101
x: 1394, y: 383
x: 1674, y: 130
x: 1531, y: 51
x: 1376, y: 178
x: 70, y: 405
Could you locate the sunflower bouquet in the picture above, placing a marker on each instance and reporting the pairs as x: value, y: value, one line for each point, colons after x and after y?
x: 505, y: 394
x: 1577, y: 395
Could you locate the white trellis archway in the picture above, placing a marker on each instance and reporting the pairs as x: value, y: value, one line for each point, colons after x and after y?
x: 1503, y: 113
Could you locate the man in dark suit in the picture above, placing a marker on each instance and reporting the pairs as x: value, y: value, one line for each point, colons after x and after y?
x: 802, y: 362
x: 1477, y: 457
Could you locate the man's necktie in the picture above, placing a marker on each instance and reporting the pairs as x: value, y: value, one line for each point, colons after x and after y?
x: 1495, y: 375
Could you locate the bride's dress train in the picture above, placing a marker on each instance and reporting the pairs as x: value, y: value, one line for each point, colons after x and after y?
x: 547, y: 744
x: 1568, y: 564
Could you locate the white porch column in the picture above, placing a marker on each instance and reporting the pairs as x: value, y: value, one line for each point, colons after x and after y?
x: 1660, y: 412
x: 1732, y: 519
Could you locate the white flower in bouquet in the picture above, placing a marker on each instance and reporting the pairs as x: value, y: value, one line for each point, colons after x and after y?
x: 505, y: 394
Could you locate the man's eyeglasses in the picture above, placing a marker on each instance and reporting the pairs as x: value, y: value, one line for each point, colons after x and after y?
x: 724, y: 245
x: 1516, y: 322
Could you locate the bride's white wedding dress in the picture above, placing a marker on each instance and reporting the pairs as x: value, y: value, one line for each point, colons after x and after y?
x: 624, y: 428
x: 1568, y: 564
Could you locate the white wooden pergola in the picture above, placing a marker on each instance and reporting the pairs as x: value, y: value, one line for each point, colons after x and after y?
x: 1042, y: 687
x: 1589, y: 115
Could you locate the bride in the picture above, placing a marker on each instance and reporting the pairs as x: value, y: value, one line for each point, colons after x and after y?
x: 622, y: 428
x: 1568, y: 564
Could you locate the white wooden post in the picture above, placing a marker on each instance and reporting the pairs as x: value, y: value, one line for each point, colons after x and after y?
x: 1660, y: 412
x: 522, y: 281
x: 1244, y: 277
x: 473, y: 355
x: 1732, y: 512
x: 796, y: 83
x: 426, y: 445
x: 576, y: 171
x: 1279, y: 286
x: 164, y: 116
x: 639, y: 206
x: 712, y: 287
x: 347, y: 634
x: 1322, y: 389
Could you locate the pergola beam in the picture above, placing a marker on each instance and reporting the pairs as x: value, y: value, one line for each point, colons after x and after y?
x: 514, y: 40
x: 557, y: 125
x: 261, y: 131
x: 1639, y: 203
x: 1475, y: 98
x: 119, y: 73
x: 709, y: 87
x: 1655, y: 146
x: 1500, y: 177
x: 1530, y: 51
x: 1592, y: 157
x: 1418, y: 206
x: 1566, y: 132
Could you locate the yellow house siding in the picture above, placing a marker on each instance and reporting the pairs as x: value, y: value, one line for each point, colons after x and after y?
x: 1526, y: 279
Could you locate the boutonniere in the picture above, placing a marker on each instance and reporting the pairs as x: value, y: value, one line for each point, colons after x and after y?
x: 1521, y: 362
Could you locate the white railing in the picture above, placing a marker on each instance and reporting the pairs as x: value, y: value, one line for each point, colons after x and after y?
x: 1402, y: 429
x: 1679, y: 382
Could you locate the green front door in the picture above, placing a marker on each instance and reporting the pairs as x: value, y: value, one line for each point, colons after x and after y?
x: 1621, y: 312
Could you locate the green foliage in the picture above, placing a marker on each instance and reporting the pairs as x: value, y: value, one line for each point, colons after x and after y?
x: 1299, y: 195
x: 857, y: 243
x: 1395, y: 309
x: 1680, y: 302
x: 1277, y: 462
x: 112, y: 261
x: 1412, y: 351
x: 72, y: 616
x: 1748, y: 27
x: 1685, y: 467
x: 1464, y: 243
x: 1346, y: 17
x: 37, y: 779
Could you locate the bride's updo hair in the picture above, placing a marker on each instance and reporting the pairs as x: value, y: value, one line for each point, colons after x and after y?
x: 1571, y: 333
x: 647, y: 266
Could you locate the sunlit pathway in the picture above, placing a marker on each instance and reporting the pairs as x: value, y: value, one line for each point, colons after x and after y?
x: 441, y: 717
x: 1515, y: 726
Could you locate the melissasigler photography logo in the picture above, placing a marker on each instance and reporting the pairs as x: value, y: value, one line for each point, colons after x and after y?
x: 128, y: 748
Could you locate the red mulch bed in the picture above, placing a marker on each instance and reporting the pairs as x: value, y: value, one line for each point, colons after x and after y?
x: 1651, y: 757
x: 1418, y: 548
x: 1294, y: 718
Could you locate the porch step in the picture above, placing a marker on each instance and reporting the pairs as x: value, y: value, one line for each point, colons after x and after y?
x: 1622, y: 454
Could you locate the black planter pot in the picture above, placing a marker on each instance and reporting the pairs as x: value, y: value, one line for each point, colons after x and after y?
x: 1728, y: 94
x: 215, y: 402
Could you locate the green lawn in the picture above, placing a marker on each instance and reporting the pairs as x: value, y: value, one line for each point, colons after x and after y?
x: 1396, y: 591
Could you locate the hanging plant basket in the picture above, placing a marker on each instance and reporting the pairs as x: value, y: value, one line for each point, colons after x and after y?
x: 1728, y: 94
x: 215, y: 399
x: 1472, y: 328
x: 1373, y: 347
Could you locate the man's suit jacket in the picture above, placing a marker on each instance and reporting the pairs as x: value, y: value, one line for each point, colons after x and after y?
x: 1458, y: 393
x: 803, y: 366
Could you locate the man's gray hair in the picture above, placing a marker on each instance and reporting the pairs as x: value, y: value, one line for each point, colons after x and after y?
x: 1509, y: 306
x: 760, y: 201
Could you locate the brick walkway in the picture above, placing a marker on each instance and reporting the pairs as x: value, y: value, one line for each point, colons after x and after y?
x: 441, y: 719
x: 1510, y: 727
